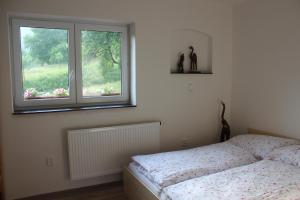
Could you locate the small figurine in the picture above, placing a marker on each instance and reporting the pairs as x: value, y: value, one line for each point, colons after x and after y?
x: 180, y: 63
x: 225, y: 133
x: 193, y: 58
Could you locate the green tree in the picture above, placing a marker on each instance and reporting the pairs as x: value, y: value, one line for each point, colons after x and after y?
x: 105, y: 46
x: 47, y: 46
x: 41, y: 46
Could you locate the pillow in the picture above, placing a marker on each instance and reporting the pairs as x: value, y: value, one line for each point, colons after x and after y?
x: 261, y: 145
x: 289, y: 155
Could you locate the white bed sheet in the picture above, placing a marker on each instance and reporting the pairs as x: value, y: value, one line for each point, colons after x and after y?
x: 261, y: 180
x: 165, y: 169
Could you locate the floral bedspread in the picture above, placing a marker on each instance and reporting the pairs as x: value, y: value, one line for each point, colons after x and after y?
x: 261, y: 145
x: 288, y: 155
x: 289, y: 192
x: 169, y: 168
x: 263, y: 180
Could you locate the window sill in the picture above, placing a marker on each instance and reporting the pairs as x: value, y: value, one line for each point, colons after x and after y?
x: 52, y: 110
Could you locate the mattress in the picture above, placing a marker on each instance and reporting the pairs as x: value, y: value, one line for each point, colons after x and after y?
x: 263, y: 180
x: 165, y: 169
x: 134, y: 169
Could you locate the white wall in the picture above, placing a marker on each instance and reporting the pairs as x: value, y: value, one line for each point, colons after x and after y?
x: 266, y: 73
x: 28, y: 139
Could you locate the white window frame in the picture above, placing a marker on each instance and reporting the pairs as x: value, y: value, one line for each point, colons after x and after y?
x: 76, y: 98
x: 124, y: 97
x: 19, y: 100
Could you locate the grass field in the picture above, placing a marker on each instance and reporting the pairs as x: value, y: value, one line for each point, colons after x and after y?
x: 45, y: 80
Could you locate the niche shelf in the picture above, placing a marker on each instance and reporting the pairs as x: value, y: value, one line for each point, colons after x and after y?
x: 181, y: 39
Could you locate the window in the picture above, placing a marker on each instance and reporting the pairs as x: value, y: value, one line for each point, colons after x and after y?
x: 67, y: 65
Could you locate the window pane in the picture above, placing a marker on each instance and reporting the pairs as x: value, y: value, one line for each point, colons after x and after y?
x: 101, y: 63
x: 45, y: 63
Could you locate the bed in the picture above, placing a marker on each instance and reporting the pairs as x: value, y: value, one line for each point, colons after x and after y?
x: 158, y: 171
x: 147, y: 183
x: 168, y: 168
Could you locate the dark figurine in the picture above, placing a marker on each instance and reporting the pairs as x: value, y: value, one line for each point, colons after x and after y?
x: 225, y: 134
x: 193, y: 58
x: 180, y: 63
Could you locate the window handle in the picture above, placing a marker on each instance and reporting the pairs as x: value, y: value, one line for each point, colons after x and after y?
x: 71, y: 76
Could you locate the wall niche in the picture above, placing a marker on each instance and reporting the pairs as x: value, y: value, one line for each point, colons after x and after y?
x: 181, y: 40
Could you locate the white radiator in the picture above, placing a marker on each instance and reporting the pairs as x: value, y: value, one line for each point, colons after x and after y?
x: 105, y: 151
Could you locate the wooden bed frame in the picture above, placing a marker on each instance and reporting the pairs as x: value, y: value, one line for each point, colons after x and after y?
x: 137, y: 190
x: 262, y: 132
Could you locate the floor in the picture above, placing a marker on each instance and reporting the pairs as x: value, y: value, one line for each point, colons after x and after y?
x: 111, y: 191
